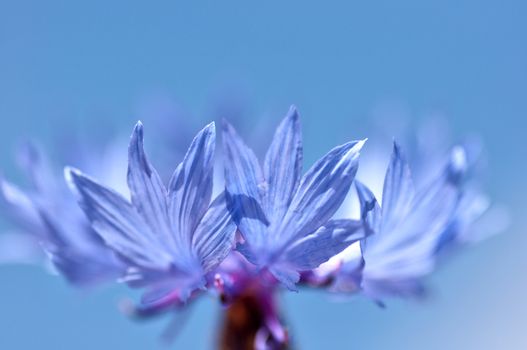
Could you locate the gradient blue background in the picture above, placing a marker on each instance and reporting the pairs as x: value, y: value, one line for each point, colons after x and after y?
x: 76, y: 63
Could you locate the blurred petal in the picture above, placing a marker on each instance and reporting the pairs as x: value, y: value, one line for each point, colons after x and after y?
x: 19, y: 207
x: 286, y: 275
x: 398, y: 190
x: 118, y: 223
x: 369, y: 208
x: 406, y: 288
x: 85, y: 270
x: 283, y: 165
x: 408, y: 250
x: 19, y: 248
x: 36, y: 166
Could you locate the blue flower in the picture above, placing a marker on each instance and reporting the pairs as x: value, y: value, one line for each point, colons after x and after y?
x: 46, y: 216
x: 405, y: 232
x: 284, y: 217
x: 170, y: 238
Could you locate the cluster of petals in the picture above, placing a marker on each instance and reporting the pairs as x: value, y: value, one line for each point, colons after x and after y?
x: 272, y: 224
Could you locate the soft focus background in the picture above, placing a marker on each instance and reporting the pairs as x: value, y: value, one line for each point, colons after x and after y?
x: 90, y: 66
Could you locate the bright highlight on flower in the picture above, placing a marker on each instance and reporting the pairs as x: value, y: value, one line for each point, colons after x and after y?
x: 273, y: 226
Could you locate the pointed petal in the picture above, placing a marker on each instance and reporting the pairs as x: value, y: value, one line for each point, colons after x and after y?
x: 283, y: 166
x: 118, y: 223
x: 398, y: 190
x: 322, y: 190
x: 369, y: 208
x: 214, y: 237
x: 325, y: 243
x: 409, y: 249
x: 244, y: 184
x: 86, y: 270
x: 190, y: 188
x: 147, y: 191
x: 457, y: 165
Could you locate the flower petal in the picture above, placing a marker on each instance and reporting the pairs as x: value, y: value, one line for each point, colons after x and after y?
x: 369, y: 208
x: 118, y: 223
x: 20, y: 248
x: 398, y: 191
x: 244, y: 184
x: 406, y: 288
x: 190, y: 188
x: 19, y: 208
x: 326, y: 242
x: 321, y: 191
x: 214, y: 236
x: 408, y: 250
x: 283, y: 166
x: 288, y: 276
x: 148, y: 193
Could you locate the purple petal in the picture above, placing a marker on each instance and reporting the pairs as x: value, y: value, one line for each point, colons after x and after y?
x: 369, y: 208
x: 408, y: 250
x: 20, y: 208
x: 20, y: 248
x: 288, y: 276
x: 326, y: 242
x: 322, y: 190
x: 398, y: 190
x: 245, y: 187
x: 119, y: 224
x: 283, y: 166
x: 147, y: 190
x: 214, y: 236
x: 190, y: 188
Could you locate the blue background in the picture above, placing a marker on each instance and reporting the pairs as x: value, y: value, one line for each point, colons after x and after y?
x: 65, y: 63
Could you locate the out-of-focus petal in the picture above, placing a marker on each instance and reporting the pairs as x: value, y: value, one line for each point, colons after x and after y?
x: 19, y: 207
x: 19, y: 248
x: 369, y: 208
x: 118, y: 223
x: 408, y: 250
x: 286, y: 275
x: 398, y: 190
x: 403, y: 288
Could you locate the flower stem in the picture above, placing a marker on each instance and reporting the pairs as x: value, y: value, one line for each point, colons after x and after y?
x: 251, y: 322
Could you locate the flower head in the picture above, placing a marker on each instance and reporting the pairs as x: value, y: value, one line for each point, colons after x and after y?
x: 408, y: 227
x: 284, y: 217
x: 170, y: 237
x: 46, y: 216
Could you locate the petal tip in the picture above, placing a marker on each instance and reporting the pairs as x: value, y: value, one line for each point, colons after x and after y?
x: 293, y: 112
x: 71, y: 172
x: 138, y: 126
